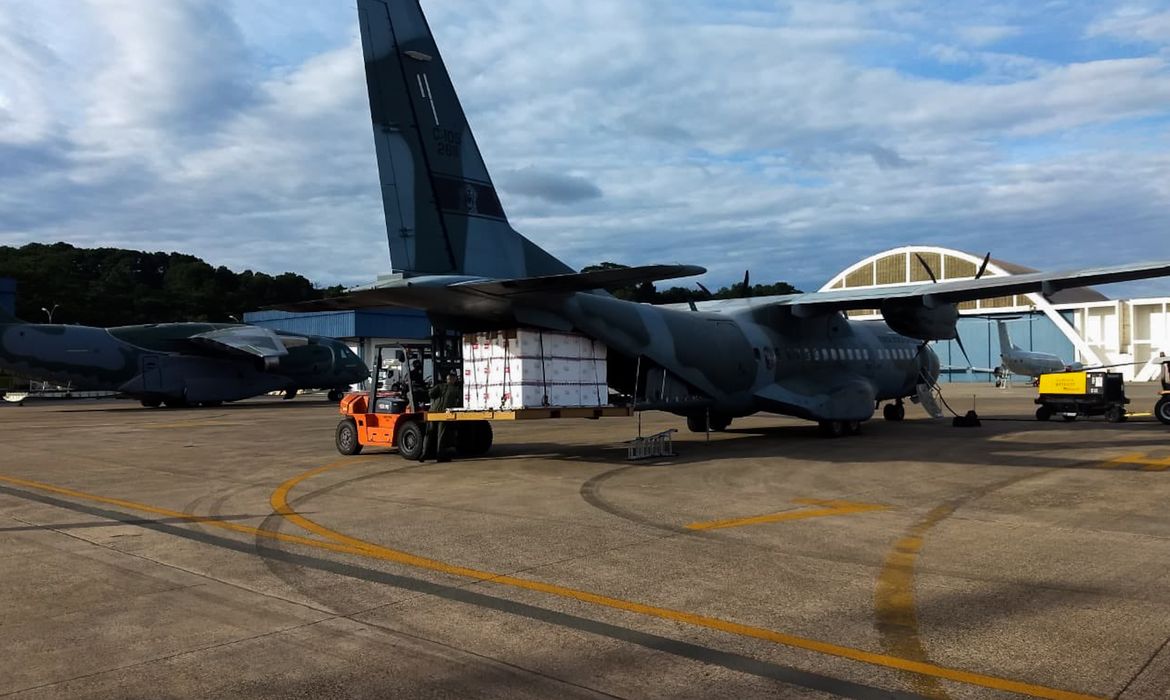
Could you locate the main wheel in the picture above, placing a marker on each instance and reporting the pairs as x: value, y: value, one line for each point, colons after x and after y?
x: 697, y: 424
x: 347, y: 437
x: 411, y: 440
x: 1069, y: 417
x: 852, y: 427
x: 719, y: 423
x: 151, y: 403
x: 1162, y: 410
x: 832, y: 428
x: 1043, y: 413
x: 894, y: 412
x: 335, y: 395
x: 175, y: 403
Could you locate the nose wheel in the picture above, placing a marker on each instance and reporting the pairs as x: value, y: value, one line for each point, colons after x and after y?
x: 894, y: 411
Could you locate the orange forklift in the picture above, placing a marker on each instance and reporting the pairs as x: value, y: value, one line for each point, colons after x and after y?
x: 397, y: 418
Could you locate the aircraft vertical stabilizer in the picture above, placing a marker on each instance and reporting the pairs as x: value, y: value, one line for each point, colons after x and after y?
x: 1005, y: 341
x: 442, y: 212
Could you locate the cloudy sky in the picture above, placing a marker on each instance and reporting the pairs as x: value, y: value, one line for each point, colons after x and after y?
x: 789, y: 137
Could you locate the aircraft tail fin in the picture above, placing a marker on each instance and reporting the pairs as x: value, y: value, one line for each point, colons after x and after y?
x: 442, y: 213
x: 1005, y: 341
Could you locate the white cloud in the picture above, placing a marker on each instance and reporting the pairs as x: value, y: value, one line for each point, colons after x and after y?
x: 1134, y: 23
x: 984, y: 34
x: 793, y: 141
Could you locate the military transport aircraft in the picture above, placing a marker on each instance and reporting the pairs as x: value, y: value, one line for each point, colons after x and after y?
x: 459, y: 259
x: 178, y: 364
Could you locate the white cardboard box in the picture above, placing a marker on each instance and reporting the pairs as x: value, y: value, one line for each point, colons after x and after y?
x: 522, y: 368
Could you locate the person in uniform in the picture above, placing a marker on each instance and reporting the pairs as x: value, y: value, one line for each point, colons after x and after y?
x: 418, y: 385
x: 444, y: 397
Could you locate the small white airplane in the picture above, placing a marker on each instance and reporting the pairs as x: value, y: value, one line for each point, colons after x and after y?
x: 1027, y: 363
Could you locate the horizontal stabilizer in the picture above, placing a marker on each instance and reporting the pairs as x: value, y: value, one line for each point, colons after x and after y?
x: 488, y: 298
x: 583, y: 281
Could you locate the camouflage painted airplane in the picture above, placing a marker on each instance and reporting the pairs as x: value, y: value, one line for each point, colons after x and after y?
x: 178, y: 364
x: 461, y: 261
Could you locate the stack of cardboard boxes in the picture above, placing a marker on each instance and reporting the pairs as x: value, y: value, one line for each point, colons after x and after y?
x: 521, y: 368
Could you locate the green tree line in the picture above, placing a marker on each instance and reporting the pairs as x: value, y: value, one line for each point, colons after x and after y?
x: 648, y: 293
x: 114, y: 287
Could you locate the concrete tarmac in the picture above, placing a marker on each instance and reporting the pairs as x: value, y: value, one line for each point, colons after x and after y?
x: 231, y: 552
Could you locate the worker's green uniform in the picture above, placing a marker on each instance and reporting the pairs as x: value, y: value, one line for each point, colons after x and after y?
x: 444, y: 397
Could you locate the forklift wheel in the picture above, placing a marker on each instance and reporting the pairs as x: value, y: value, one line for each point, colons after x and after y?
x: 411, y: 439
x: 347, y: 438
x: 1162, y: 410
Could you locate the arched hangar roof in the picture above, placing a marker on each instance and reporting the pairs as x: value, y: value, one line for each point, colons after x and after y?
x: 901, y: 266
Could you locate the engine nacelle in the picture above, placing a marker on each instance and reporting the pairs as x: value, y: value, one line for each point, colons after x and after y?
x: 913, y: 319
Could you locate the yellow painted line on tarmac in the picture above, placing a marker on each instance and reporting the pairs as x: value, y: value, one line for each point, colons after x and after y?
x: 1140, y: 459
x: 209, y: 520
x: 341, y: 543
x: 893, y: 599
x: 280, y: 503
x: 830, y: 507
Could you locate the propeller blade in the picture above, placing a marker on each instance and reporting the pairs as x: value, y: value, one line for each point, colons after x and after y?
x: 927, y: 268
x: 747, y: 286
x: 691, y: 303
x: 704, y: 288
x: 983, y: 266
x: 959, y: 340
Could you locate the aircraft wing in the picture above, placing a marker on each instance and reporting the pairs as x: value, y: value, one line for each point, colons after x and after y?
x: 253, y: 341
x: 932, y: 294
x: 486, y: 298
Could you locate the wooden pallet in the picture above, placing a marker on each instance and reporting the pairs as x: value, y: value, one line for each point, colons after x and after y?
x: 533, y: 414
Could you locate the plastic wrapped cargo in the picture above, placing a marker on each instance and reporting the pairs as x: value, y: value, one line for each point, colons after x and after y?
x: 522, y: 368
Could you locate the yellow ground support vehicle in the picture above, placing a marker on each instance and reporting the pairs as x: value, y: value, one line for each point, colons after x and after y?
x: 1086, y: 393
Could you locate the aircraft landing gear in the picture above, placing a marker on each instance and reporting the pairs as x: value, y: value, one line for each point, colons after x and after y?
x: 698, y: 423
x: 894, y: 411
x: 335, y: 395
x: 290, y: 394
x: 151, y: 403
x: 839, y: 428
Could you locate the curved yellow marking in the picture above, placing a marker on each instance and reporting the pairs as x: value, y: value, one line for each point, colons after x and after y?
x: 893, y: 599
x: 280, y: 504
x: 829, y: 507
